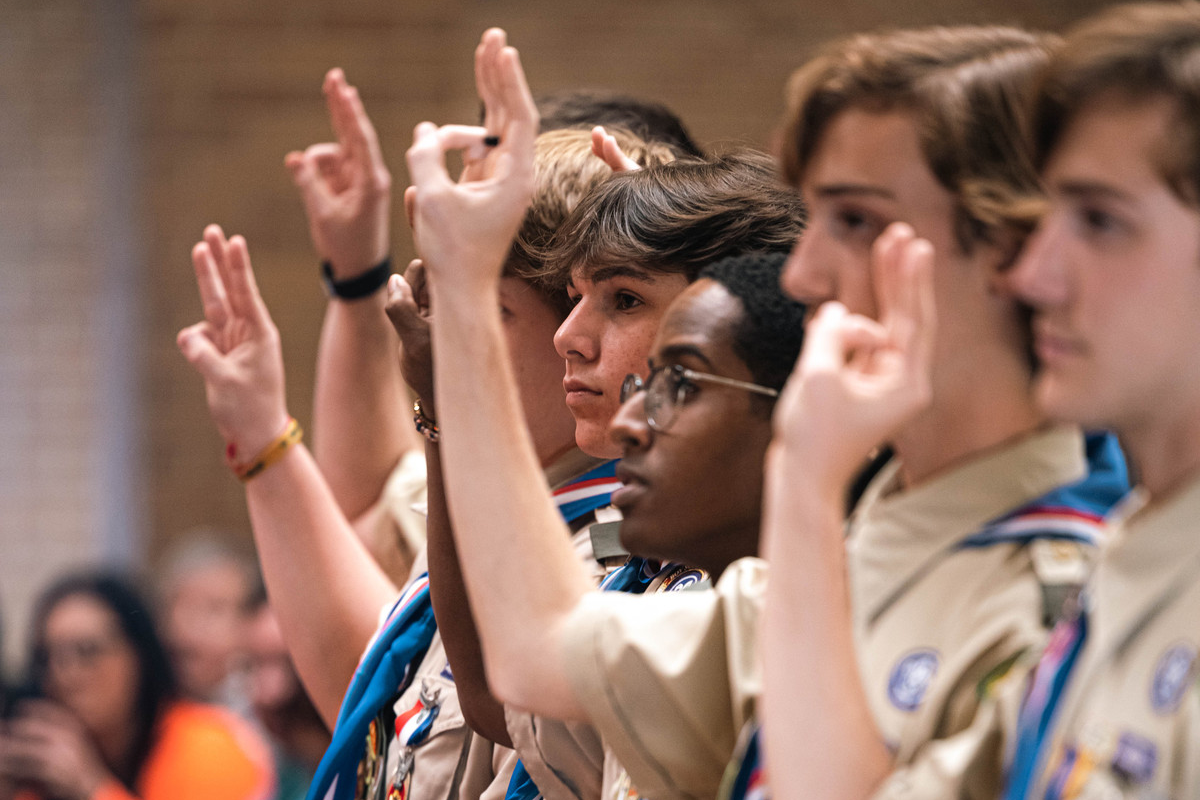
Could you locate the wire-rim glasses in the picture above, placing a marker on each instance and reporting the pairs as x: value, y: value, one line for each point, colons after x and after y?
x: 666, y: 388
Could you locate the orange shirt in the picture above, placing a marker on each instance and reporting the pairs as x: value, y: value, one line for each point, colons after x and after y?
x: 201, y: 753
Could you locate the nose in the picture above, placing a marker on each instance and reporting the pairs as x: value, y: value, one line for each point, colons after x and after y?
x: 1039, y: 276
x: 576, y: 339
x: 629, y: 428
x: 804, y: 278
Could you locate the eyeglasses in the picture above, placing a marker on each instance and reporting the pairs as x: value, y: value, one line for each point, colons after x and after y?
x: 83, y: 652
x: 669, y: 385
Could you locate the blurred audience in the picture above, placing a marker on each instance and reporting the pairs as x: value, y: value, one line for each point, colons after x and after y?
x: 105, y: 721
x: 204, y: 587
x: 298, y: 735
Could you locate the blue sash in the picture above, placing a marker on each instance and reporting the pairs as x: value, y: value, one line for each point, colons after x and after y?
x: 1069, y: 513
x: 401, y: 644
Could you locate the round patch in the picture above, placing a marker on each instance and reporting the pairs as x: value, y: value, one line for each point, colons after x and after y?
x: 910, y: 679
x: 684, y: 580
x: 1172, y: 677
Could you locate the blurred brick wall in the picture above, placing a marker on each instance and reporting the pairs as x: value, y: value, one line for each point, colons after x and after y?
x: 231, y: 86
x: 106, y: 449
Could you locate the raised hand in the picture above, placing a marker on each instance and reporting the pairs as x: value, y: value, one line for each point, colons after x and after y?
x: 858, y: 380
x: 408, y: 309
x: 466, y: 226
x: 345, y: 185
x: 605, y: 148
x: 236, y: 348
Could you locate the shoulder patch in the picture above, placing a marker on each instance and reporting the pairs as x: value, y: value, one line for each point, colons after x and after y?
x: 910, y: 679
x: 1172, y: 677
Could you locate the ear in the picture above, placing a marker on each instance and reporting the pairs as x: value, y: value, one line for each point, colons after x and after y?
x: 999, y: 255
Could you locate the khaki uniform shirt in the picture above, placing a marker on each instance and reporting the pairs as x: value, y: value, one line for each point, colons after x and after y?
x: 669, y: 681
x: 451, y: 762
x: 936, y: 625
x: 1129, y: 724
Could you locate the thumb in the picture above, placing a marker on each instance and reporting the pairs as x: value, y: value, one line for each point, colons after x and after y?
x: 401, y: 307
x: 199, y: 351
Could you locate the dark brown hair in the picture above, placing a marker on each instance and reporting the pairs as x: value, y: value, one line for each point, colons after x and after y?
x: 1133, y: 53
x: 968, y: 89
x: 678, y: 217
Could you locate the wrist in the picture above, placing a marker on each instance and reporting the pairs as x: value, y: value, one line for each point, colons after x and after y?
x: 355, y: 285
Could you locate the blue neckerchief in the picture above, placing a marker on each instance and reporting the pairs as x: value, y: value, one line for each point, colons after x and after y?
x: 385, y: 667
x: 402, y: 643
x: 1071, y: 512
x: 1038, y: 710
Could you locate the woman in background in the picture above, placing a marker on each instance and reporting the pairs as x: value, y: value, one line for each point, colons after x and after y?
x: 107, y: 723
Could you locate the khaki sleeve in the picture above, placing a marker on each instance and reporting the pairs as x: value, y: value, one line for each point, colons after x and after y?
x: 670, y: 679
x: 405, y: 500
x: 565, y: 759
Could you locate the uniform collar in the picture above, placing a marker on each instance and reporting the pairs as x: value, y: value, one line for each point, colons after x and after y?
x: 895, y: 534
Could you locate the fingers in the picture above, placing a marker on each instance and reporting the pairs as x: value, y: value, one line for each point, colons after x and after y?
x: 244, y: 297
x: 410, y: 204
x: 521, y: 126
x: 823, y: 348
x: 416, y: 277
x: 468, y: 138
x: 402, y: 308
x: 315, y: 172
x: 353, y: 126
x: 920, y: 309
x: 197, y: 347
x: 605, y: 147
x: 490, y: 45
x: 212, y: 287
x: 214, y: 237
x: 427, y: 160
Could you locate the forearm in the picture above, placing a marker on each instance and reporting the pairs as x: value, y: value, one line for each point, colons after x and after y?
x: 820, y: 737
x: 522, y: 577
x: 456, y: 622
x: 361, y: 418
x: 326, y: 588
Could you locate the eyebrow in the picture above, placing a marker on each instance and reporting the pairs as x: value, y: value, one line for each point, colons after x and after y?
x: 674, y: 352
x: 1086, y: 188
x: 601, y: 274
x: 844, y: 189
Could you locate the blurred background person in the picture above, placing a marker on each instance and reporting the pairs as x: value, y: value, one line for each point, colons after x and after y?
x: 298, y: 736
x: 205, y: 586
x: 106, y: 721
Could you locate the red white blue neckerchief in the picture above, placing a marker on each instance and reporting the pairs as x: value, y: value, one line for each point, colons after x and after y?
x: 1073, y: 513
x: 387, y: 666
x: 588, y: 492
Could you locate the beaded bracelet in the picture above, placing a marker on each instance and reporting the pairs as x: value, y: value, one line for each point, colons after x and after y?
x: 424, y: 425
x: 292, y: 434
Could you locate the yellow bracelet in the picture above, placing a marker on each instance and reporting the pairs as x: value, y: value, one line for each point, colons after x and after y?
x: 292, y: 434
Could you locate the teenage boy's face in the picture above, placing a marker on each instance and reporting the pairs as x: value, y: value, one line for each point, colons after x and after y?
x: 866, y: 172
x: 694, y: 493
x: 1113, y: 274
x: 606, y: 337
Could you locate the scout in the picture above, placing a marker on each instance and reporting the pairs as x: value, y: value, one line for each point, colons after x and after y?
x: 879, y: 647
x: 1113, y: 275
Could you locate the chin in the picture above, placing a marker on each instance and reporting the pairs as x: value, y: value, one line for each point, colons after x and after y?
x: 594, y: 440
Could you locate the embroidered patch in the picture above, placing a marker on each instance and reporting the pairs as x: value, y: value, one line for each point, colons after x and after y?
x: 1135, y: 759
x: 1171, y: 678
x: 910, y: 679
x: 684, y: 580
x: 446, y: 673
